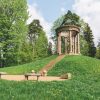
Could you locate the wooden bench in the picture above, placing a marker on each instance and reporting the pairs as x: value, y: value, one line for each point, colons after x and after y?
x: 30, y: 74
x: 2, y: 73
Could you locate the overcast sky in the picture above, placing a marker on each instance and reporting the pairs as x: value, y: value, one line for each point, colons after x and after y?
x: 47, y: 11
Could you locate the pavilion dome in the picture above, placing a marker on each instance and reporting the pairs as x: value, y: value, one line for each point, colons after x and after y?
x: 70, y: 22
x: 70, y: 19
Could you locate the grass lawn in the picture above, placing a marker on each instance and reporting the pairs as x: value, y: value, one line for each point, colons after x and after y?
x: 25, y: 68
x: 84, y: 85
x: 65, y: 90
x: 77, y: 65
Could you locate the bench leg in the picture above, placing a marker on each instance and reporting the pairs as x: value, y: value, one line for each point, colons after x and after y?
x: 26, y: 77
x: 37, y: 78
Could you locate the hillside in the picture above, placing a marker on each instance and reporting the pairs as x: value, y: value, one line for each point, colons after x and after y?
x: 25, y: 68
x: 77, y: 65
x: 84, y: 85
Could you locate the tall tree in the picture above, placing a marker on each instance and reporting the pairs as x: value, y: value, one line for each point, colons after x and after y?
x: 13, y: 29
x: 98, y: 50
x: 41, y: 45
x: 49, y: 48
x: 71, y: 19
x: 37, y: 39
x: 88, y: 36
x: 84, y: 47
x: 34, y: 30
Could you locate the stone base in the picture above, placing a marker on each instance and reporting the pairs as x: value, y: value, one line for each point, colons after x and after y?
x: 69, y: 54
x: 73, y: 54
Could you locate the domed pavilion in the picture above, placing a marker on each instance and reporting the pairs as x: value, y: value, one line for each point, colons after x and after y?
x: 68, y: 38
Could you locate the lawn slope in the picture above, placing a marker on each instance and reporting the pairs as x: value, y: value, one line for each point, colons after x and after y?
x: 25, y: 68
x: 84, y: 85
x: 77, y: 65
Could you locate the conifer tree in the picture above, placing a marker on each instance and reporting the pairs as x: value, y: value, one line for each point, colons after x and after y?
x: 88, y: 36
x: 40, y: 49
x: 37, y: 39
x: 49, y: 48
x: 34, y: 31
x: 98, y: 50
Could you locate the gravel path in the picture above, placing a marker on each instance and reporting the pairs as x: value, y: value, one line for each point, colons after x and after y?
x: 22, y: 78
x: 51, y: 63
x: 41, y: 78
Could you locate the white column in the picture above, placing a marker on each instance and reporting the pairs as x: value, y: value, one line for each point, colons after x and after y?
x: 75, y: 44
x: 65, y: 45
x: 78, y: 43
x: 70, y: 42
x: 59, y: 45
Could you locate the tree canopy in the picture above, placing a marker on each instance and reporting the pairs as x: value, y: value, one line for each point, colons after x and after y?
x: 34, y: 29
x: 37, y: 39
x: 71, y: 19
x: 19, y: 42
x: 13, y: 29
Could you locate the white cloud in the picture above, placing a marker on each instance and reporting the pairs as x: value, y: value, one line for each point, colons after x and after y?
x: 90, y: 12
x: 63, y: 10
x: 35, y: 13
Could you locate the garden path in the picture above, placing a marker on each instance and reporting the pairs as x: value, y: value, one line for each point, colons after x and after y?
x: 51, y: 63
x: 34, y: 78
x: 41, y: 78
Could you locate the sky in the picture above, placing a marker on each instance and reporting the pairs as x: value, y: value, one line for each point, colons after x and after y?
x: 47, y: 11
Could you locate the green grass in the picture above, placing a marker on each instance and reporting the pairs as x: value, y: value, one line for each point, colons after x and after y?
x: 77, y: 65
x: 85, y: 74
x: 84, y: 85
x: 65, y: 90
x: 25, y: 68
